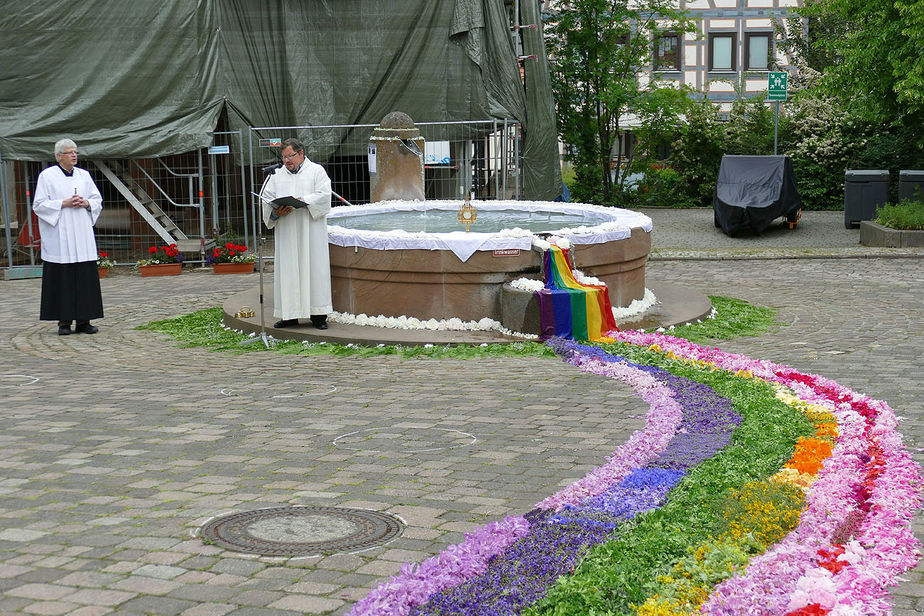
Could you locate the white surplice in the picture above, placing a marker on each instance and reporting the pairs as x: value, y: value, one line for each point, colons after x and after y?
x: 67, y: 232
x: 301, y: 279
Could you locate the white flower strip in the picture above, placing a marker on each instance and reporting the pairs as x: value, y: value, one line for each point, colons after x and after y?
x: 618, y: 225
x: 405, y: 322
x: 413, y: 323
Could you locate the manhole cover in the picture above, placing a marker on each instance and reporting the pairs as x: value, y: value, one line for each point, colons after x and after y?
x: 301, y: 531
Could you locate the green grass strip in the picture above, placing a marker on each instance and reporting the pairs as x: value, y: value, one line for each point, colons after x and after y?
x: 616, y: 576
x: 204, y: 329
x: 734, y: 318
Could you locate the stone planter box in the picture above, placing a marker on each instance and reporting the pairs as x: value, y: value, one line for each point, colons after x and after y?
x: 874, y: 234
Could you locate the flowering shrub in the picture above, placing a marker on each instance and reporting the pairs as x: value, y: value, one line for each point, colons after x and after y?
x: 103, y: 261
x: 230, y: 253
x: 162, y: 255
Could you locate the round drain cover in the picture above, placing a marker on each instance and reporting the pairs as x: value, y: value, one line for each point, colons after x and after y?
x: 301, y: 531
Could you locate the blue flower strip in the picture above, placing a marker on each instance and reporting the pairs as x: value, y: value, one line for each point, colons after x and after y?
x: 556, y: 542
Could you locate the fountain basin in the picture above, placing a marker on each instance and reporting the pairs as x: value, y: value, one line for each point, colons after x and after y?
x: 428, y: 270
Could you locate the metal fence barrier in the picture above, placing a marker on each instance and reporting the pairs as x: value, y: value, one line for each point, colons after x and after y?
x: 201, y: 197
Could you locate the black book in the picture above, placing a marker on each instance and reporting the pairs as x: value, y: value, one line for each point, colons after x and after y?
x: 280, y: 202
x: 287, y: 201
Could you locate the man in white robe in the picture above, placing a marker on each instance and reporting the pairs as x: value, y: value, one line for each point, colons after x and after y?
x: 301, y: 279
x: 67, y: 204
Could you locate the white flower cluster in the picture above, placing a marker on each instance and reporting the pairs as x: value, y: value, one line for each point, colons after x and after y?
x: 601, y: 228
x: 528, y: 284
x: 638, y: 306
x: 540, y: 244
x: 585, y: 279
x: 513, y: 232
x: 562, y: 242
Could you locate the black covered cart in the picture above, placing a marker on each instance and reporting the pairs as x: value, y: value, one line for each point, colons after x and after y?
x: 752, y: 191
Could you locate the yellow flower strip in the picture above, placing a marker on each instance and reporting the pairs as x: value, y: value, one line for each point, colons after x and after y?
x: 758, y: 515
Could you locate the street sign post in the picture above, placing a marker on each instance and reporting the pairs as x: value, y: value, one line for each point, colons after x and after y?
x: 777, y: 81
x: 776, y: 85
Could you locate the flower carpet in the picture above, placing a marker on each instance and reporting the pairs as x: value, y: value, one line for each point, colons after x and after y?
x: 752, y: 489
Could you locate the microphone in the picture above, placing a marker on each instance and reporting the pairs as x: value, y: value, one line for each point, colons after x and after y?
x: 271, y: 168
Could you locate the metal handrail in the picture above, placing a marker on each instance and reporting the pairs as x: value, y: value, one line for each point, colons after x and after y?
x: 190, y: 176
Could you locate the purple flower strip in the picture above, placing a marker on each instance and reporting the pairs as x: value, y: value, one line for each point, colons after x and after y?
x: 524, y: 572
x: 414, y: 584
x: 643, y: 490
x: 661, y: 422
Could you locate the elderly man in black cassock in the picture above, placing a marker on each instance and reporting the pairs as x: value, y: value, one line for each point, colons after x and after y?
x: 68, y: 204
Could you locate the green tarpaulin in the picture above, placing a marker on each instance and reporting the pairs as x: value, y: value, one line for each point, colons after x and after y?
x: 137, y: 79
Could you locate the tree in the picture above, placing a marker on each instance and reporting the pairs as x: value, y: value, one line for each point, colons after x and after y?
x: 879, y: 70
x: 599, y: 50
x: 800, y: 37
x: 860, y: 100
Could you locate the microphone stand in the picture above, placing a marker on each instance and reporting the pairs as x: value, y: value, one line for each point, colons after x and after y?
x: 267, y: 341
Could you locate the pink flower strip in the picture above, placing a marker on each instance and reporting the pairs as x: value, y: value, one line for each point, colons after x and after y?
x: 415, y: 584
x: 772, y: 578
x: 661, y: 422
x: 886, y: 532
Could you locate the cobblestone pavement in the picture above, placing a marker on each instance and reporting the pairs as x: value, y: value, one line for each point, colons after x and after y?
x: 118, y: 447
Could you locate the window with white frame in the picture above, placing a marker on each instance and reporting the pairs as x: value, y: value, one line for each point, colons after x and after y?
x: 723, y: 49
x: 757, y: 51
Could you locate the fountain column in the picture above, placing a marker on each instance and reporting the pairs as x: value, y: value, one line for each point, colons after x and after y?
x: 399, y: 160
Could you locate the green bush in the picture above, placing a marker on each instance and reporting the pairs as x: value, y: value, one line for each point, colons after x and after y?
x: 906, y: 216
x: 697, y: 152
x: 664, y: 187
x: 822, y: 138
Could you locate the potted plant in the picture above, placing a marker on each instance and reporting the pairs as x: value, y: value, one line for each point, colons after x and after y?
x: 103, y: 263
x: 162, y: 261
x: 231, y: 259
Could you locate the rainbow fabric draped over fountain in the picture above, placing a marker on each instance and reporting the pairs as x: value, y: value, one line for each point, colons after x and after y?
x: 567, y: 308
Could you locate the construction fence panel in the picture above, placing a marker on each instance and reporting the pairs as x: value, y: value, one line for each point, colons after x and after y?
x: 480, y: 157
x: 200, y: 198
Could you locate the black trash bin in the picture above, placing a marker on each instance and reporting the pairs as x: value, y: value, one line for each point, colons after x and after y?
x: 911, y: 185
x: 864, y: 191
